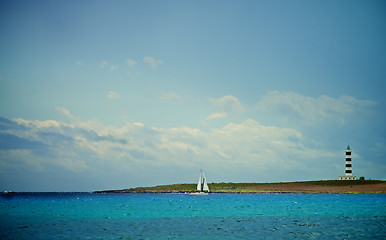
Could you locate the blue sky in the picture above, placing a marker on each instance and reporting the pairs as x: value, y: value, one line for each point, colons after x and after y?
x: 116, y: 94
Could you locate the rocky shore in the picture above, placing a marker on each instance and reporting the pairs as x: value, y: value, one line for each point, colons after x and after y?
x: 325, y: 186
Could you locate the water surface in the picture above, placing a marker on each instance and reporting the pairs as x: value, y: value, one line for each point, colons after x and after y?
x: 181, y: 216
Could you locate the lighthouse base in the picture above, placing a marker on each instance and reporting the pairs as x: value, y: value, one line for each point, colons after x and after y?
x: 348, y: 177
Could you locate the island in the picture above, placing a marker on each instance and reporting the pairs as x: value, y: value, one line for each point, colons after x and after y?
x: 322, y: 186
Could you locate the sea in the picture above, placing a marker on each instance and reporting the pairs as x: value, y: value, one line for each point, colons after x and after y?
x: 184, y: 216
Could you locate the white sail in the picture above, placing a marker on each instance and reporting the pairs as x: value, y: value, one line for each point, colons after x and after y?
x: 199, y: 182
x: 206, y: 188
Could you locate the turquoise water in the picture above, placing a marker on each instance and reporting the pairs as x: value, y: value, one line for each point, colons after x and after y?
x: 181, y: 216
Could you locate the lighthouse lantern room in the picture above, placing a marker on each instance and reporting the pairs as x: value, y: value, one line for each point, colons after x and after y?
x: 348, y: 175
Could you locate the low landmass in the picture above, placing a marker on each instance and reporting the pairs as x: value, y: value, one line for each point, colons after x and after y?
x: 323, y: 186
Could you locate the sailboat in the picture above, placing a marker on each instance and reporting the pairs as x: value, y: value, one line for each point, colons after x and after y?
x: 202, y: 185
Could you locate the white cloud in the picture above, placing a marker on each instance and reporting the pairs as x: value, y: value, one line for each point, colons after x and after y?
x: 228, y: 104
x: 75, y: 121
x: 217, y: 115
x: 244, y: 145
x: 38, y: 124
x: 154, y: 63
x: 113, y: 95
x: 14, y: 159
x: 250, y: 141
x: 138, y: 124
x: 295, y: 106
x: 170, y: 96
x: 65, y: 112
x: 79, y: 63
x: 246, y: 151
x: 103, y: 64
x: 131, y: 62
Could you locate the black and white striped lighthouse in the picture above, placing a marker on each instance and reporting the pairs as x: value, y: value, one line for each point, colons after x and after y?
x: 348, y: 161
x: 348, y: 175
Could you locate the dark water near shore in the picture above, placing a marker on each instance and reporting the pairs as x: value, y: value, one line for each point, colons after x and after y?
x: 181, y: 216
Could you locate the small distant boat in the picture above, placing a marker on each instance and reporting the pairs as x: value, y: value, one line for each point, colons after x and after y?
x: 202, y: 185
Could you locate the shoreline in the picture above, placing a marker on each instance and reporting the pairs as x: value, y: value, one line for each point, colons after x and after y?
x: 322, y: 186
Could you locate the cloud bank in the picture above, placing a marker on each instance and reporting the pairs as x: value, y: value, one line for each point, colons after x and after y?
x: 135, y: 154
x: 135, y: 150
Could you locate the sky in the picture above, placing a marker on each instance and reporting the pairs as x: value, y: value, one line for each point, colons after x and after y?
x: 101, y: 95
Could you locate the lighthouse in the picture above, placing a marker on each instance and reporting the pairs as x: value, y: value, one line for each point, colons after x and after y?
x: 348, y: 175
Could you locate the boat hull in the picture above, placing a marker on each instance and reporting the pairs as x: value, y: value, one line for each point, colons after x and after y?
x: 199, y: 193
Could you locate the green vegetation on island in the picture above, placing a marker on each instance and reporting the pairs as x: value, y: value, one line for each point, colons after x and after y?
x: 327, y: 186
